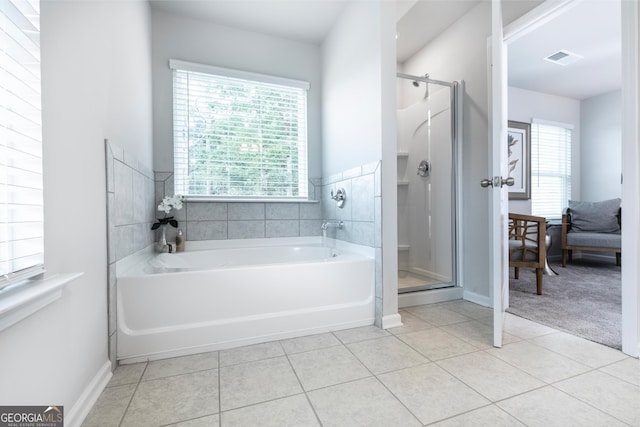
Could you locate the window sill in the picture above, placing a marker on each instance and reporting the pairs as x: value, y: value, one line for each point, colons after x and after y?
x: 25, y: 300
x: 192, y: 199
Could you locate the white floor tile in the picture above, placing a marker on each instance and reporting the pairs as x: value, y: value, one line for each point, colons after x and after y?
x: 524, y: 328
x: 489, y: 376
x: 627, y: 369
x: 294, y: 411
x: 477, y: 334
x: 439, y: 368
x: 250, y: 353
x: 469, y: 309
x: 110, y: 407
x: 173, y: 399
x: 549, y: 407
x: 540, y: 362
x: 579, y: 349
x: 256, y: 382
x: 127, y: 374
x: 609, y: 394
x: 360, y: 334
x: 327, y: 366
x: 209, y: 421
x: 364, y: 403
x: 312, y: 342
x: 181, y: 365
x: 488, y: 416
x: 410, y: 323
x: 386, y: 354
x: 431, y: 393
x: 437, y: 315
x: 437, y: 344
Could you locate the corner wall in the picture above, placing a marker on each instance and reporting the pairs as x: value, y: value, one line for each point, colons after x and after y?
x: 358, y: 119
x: 460, y: 53
x: 95, y: 84
x: 601, y: 147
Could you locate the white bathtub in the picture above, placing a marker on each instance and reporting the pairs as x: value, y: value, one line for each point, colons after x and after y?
x: 223, y: 294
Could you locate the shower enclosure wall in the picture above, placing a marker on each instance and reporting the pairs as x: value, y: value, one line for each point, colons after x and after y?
x: 427, y: 140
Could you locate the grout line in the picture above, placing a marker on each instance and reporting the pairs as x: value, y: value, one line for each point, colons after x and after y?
x: 219, y: 391
x: 124, y: 414
x: 383, y: 384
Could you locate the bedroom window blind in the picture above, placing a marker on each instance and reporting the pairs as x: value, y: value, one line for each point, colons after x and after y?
x: 21, y: 201
x: 238, y: 135
x: 550, y: 168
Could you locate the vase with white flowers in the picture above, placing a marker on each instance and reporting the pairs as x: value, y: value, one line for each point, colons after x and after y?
x: 168, y: 204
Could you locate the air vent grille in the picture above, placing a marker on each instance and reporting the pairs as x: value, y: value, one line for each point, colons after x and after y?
x: 563, y: 57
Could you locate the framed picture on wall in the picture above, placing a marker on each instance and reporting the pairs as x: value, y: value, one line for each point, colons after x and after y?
x: 519, y: 158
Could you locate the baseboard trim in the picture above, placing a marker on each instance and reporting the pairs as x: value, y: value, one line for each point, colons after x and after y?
x: 391, y: 321
x: 477, y: 298
x: 89, y: 396
x: 429, y: 297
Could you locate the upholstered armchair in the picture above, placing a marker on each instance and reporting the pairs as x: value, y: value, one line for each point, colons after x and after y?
x: 527, y: 245
x: 591, y: 226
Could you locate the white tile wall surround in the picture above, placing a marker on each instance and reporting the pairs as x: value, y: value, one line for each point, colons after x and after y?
x: 243, y: 220
x: 130, y: 213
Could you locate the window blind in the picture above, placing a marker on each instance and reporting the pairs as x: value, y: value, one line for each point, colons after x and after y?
x: 238, y: 134
x: 550, y: 169
x: 21, y: 206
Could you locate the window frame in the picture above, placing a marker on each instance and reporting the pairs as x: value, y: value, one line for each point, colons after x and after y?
x: 564, y: 153
x: 180, y: 143
x: 21, y: 187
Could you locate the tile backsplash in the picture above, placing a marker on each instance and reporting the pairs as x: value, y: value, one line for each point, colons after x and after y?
x: 361, y: 213
x: 201, y: 220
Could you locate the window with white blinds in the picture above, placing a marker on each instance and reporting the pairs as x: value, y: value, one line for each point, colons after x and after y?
x: 550, y: 169
x: 21, y: 210
x: 238, y: 134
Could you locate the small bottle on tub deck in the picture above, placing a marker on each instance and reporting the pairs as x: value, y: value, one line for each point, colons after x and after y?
x: 179, y: 242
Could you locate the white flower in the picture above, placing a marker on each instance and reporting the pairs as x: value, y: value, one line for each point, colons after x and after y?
x: 168, y: 203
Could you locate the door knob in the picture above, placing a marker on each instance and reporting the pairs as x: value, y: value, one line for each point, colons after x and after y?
x: 486, y: 183
x: 497, y: 181
x: 507, y: 181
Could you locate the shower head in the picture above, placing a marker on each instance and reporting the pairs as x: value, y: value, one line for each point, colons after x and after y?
x: 416, y: 84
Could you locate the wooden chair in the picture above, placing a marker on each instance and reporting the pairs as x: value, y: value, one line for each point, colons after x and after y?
x: 527, y: 245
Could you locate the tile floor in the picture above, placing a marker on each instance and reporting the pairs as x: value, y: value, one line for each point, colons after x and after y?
x: 438, y: 369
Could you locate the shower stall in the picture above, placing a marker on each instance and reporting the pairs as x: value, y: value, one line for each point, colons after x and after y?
x: 428, y: 135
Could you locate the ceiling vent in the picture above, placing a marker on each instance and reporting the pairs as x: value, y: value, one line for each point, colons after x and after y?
x: 563, y: 57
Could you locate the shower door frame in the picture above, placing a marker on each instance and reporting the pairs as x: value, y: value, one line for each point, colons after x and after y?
x: 455, y: 97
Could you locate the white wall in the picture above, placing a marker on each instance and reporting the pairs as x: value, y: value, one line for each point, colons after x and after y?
x: 525, y: 105
x: 202, y: 42
x: 460, y: 53
x: 358, y: 125
x: 351, y: 94
x: 601, y: 147
x: 96, y: 85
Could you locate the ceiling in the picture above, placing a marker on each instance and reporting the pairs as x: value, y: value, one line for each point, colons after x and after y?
x: 590, y: 29
x: 304, y: 20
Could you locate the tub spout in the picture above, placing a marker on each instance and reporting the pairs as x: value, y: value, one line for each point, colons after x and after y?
x: 332, y: 223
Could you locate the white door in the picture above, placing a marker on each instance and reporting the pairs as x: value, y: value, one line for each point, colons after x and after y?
x: 498, y: 203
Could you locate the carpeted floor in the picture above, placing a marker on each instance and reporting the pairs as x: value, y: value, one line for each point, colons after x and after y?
x: 584, y: 300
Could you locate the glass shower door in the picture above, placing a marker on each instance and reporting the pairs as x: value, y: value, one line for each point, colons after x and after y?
x: 426, y: 187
